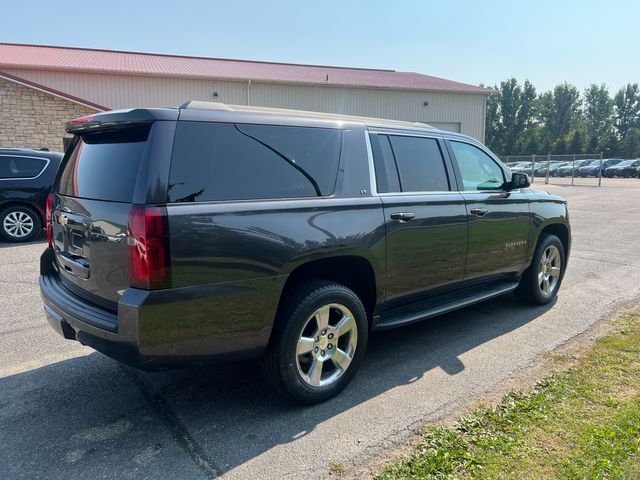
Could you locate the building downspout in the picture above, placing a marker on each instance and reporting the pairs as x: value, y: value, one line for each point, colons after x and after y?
x: 249, y: 92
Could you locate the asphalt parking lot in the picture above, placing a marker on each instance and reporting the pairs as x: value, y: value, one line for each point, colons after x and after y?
x: 68, y: 412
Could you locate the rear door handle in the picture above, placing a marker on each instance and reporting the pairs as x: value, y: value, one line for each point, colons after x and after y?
x: 478, y: 212
x: 403, y: 216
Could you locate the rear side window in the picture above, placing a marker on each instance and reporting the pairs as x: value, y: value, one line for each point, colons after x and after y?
x: 104, y: 166
x: 223, y: 161
x: 21, y: 167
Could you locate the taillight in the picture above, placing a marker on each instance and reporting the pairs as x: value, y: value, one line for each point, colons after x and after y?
x: 48, y: 214
x: 148, y: 243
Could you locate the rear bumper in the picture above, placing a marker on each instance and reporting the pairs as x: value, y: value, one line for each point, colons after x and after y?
x: 104, y: 331
x: 165, y: 328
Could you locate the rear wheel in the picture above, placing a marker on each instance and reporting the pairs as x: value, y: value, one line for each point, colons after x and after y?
x: 318, y: 342
x: 19, y: 224
x: 540, y: 283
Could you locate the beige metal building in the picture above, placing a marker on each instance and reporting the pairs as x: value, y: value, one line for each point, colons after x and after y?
x: 43, y: 86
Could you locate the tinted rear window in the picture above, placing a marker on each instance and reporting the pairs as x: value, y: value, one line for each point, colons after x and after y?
x: 222, y: 161
x: 21, y: 167
x: 104, y: 167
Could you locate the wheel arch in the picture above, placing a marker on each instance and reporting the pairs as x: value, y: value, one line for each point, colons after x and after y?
x: 560, y: 230
x: 354, y: 271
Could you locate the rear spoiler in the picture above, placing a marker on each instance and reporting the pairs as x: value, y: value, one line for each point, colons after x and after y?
x: 113, y: 118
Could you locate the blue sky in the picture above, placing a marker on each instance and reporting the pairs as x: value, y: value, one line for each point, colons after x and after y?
x: 547, y: 42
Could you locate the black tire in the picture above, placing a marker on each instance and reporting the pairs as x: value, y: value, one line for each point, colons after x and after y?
x: 529, y: 289
x: 280, y: 363
x: 8, y: 229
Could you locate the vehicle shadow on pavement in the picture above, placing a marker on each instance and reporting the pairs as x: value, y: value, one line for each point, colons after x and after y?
x: 90, y: 417
x: 38, y: 239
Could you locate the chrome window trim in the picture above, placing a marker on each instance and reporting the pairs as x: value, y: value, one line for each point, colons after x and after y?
x: 372, y: 172
x: 47, y: 161
x: 485, y: 150
x: 437, y: 192
x: 398, y: 134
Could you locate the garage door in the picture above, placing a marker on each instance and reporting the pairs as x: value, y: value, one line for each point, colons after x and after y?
x: 448, y: 126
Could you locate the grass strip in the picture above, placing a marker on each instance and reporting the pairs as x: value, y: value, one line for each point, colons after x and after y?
x: 583, y: 422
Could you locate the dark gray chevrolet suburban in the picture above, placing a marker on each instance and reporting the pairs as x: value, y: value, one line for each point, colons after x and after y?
x: 180, y: 236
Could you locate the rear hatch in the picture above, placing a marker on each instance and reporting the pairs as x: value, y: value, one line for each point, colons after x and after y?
x: 91, y: 204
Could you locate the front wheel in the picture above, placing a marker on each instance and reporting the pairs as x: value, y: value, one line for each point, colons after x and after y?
x: 540, y: 283
x: 318, y: 342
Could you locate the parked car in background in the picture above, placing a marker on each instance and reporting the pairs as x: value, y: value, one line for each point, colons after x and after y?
x: 541, y: 171
x: 597, y: 167
x: 210, y: 232
x: 524, y: 167
x: 626, y: 168
x: 515, y: 166
x: 553, y: 170
x: 25, y: 181
x: 571, y: 168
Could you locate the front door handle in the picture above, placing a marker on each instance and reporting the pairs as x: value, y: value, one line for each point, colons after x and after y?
x: 478, y: 212
x: 403, y: 216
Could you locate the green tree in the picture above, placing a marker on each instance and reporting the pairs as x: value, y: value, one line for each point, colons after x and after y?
x: 627, y: 103
x: 612, y: 147
x: 630, y: 145
x: 560, y: 111
x: 561, y: 146
x: 492, y: 136
x: 598, y: 117
x: 509, y: 115
x: 576, y: 142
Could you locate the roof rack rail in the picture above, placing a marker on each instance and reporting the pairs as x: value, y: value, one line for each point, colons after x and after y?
x: 219, y: 106
x: 201, y: 105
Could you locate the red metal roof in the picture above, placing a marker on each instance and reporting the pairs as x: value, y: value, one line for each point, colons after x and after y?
x: 135, y: 63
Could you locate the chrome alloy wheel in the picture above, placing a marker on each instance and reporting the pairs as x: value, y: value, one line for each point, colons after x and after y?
x: 18, y: 224
x: 549, y: 270
x: 326, y: 345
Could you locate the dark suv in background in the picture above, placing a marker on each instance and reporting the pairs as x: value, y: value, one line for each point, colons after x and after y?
x: 25, y: 181
x: 597, y: 167
x: 625, y: 169
x: 209, y: 232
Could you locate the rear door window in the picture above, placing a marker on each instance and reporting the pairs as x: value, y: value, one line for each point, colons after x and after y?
x: 420, y: 164
x: 104, y: 167
x: 223, y: 161
x: 21, y: 167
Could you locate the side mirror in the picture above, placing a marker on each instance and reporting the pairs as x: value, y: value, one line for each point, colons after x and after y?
x: 518, y: 180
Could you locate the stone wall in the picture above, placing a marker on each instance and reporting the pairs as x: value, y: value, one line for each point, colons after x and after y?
x: 33, y: 119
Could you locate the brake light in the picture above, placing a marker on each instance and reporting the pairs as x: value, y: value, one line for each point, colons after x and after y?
x: 81, y: 120
x: 48, y: 213
x: 148, y: 243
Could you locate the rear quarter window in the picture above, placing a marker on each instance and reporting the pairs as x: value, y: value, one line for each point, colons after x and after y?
x: 21, y: 167
x: 104, y: 166
x: 223, y: 161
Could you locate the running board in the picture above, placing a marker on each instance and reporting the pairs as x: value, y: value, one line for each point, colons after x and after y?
x: 439, y: 305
